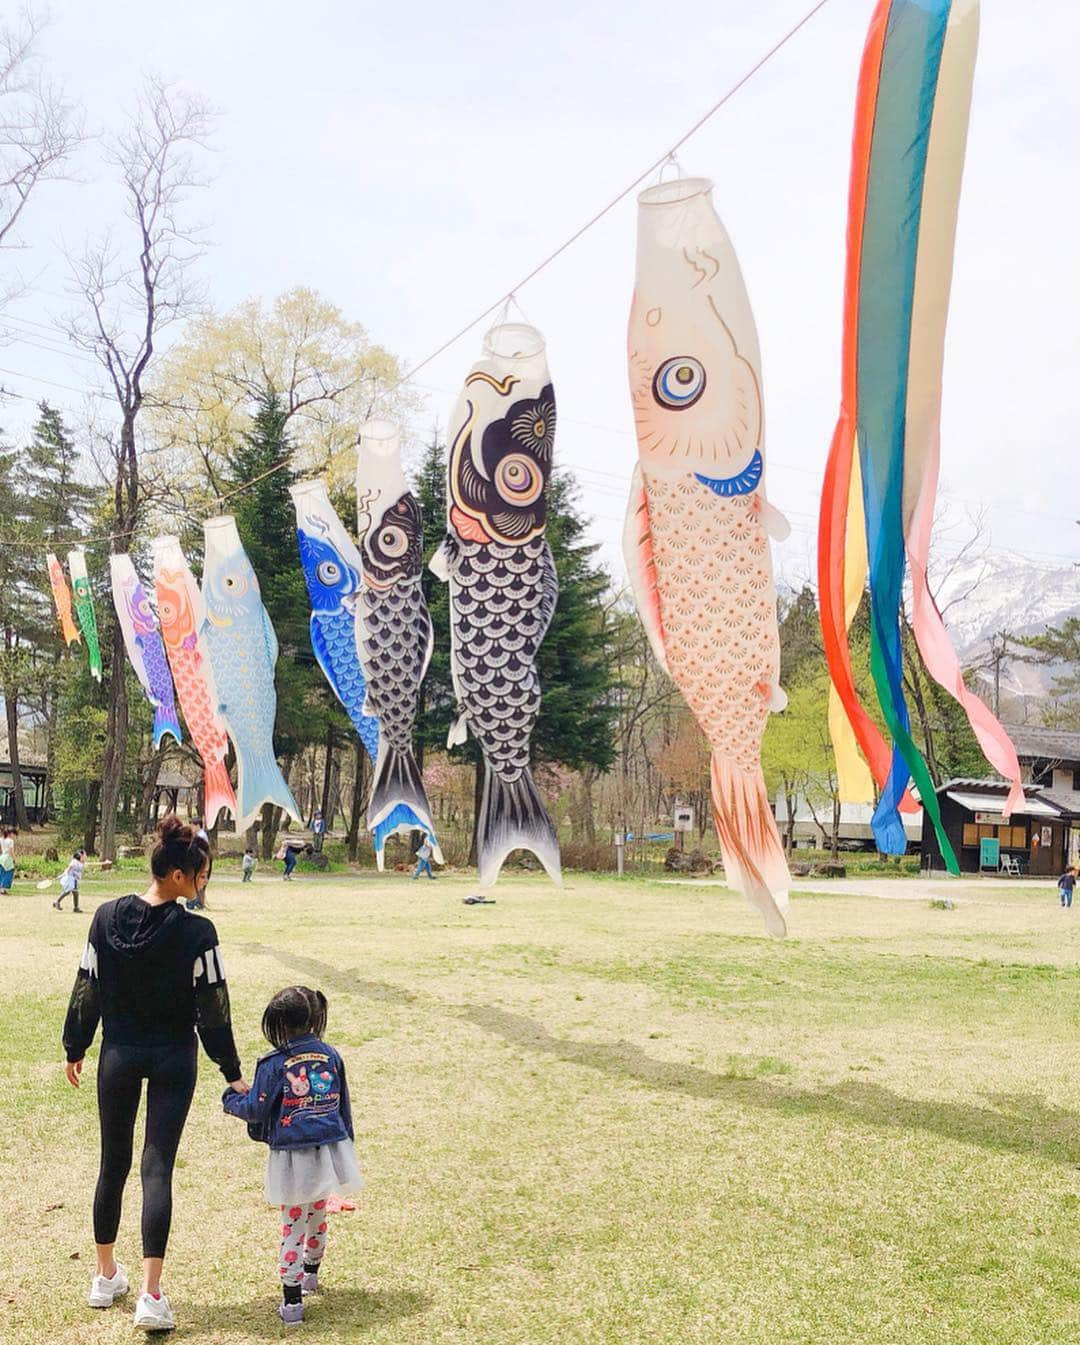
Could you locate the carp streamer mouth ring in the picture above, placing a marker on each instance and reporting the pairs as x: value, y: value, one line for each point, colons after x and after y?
x: 679, y: 382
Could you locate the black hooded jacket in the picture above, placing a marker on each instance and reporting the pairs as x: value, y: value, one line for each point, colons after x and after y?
x: 151, y: 974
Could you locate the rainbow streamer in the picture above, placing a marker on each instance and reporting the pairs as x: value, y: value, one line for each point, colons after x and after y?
x: 881, y: 479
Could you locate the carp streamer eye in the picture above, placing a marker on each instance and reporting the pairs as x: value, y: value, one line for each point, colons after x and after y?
x: 235, y: 585
x: 393, y: 542
x: 329, y: 573
x: 679, y: 382
x: 518, y: 481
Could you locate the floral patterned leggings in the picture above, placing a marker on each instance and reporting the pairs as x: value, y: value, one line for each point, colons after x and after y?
x: 303, y: 1239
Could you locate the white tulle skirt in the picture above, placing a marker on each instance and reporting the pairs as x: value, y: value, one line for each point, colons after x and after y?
x: 301, y: 1176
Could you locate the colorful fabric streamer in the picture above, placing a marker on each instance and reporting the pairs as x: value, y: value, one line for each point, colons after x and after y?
x: 142, y: 640
x: 243, y: 650
x: 910, y: 132
x: 503, y: 584
x: 332, y: 572
x: 698, y: 524
x: 393, y: 632
x: 62, y: 598
x: 84, y: 610
x: 180, y: 611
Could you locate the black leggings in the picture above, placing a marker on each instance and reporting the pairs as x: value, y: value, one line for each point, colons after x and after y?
x: 170, y: 1075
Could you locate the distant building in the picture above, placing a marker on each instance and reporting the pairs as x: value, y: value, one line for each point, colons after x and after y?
x: 1041, y: 839
x: 1038, y: 840
x: 34, y: 793
x: 854, y: 832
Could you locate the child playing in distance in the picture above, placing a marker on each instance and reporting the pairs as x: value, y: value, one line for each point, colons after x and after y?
x: 248, y: 865
x: 299, y: 1107
x: 424, y: 855
x: 1066, y: 883
x: 69, y: 880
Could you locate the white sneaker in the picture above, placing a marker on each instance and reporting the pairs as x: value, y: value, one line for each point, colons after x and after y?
x: 154, y: 1314
x: 103, y: 1289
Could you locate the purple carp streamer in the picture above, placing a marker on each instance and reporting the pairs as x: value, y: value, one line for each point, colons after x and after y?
x: 144, y: 645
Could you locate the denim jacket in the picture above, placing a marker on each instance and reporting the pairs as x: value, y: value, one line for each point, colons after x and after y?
x: 299, y: 1097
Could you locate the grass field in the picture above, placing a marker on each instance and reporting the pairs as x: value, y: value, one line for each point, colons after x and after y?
x: 615, y: 1113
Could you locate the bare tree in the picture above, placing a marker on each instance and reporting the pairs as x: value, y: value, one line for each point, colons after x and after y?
x: 132, y: 290
x: 39, y: 129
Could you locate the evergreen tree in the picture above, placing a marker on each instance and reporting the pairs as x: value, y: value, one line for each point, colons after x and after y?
x: 576, y: 662
x: 58, y: 504
x: 437, y: 705
x: 266, y: 521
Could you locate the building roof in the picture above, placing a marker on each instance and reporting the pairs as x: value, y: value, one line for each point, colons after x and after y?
x: 1034, y: 806
x: 976, y: 794
x: 1034, y: 743
x: 1066, y: 799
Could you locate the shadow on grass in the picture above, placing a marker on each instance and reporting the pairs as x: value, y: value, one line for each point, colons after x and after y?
x: 332, y: 978
x: 1020, y: 1124
x: 360, y: 1309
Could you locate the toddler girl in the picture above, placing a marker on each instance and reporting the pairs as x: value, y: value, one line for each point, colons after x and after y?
x: 299, y: 1106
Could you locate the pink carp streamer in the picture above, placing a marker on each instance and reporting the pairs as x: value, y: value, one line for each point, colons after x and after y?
x: 697, y: 532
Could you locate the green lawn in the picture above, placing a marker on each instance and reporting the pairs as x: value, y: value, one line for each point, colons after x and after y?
x: 615, y: 1113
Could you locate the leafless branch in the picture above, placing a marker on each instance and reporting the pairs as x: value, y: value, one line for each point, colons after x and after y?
x: 39, y: 128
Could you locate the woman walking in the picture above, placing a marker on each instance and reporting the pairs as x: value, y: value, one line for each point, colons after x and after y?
x: 153, y: 975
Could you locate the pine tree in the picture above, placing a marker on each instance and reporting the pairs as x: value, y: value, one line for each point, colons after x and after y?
x: 437, y: 705
x: 58, y: 504
x: 266, y: 521
x: 576, y: 662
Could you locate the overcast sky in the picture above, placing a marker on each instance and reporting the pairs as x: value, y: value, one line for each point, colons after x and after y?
x: 413, y: 161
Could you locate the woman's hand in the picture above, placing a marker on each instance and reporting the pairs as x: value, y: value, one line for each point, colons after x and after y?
x: 240, y: 1086
x: 73, y: 1068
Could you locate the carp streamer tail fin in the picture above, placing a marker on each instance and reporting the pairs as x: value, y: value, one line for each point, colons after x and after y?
x: 166, y: 720
x: 513, y: 817
x: 754, y: 860
x: 259, y: 781
x: 398, y: 800
x: 218, y: 791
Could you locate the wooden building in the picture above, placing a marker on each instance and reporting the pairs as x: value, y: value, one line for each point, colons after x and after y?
x: 1040, y: 840
x: 35, y: 795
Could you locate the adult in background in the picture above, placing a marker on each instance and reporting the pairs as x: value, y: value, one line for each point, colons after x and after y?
x: 7, y: 859
x: 153, y: 975
x: 290, y: 853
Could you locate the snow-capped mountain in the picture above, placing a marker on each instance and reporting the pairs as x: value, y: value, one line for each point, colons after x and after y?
x: 1005, y: 591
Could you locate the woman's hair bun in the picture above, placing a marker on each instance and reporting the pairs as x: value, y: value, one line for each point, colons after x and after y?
x: 171, y: 826
x: 178, y: 846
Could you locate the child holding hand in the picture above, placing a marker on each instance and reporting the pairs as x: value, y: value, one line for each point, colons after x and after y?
x: 299, y: 1106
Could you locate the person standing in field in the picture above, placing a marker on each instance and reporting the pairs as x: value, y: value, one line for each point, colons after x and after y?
x: 7, y: 859
x: 1066, y: 883
x: 423, y: 859
x: 247, y: 864
x: 299, y: 1107
x: 318, y: 830
x: 152, y: 975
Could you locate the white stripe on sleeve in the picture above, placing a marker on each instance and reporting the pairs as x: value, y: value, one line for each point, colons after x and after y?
x: 88, y: 962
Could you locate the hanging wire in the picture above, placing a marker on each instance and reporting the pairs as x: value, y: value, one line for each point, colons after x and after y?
x: 508, y: 297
